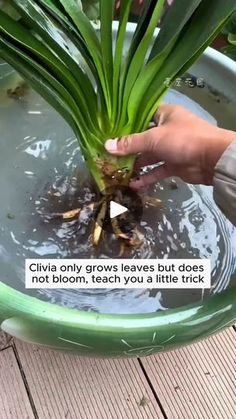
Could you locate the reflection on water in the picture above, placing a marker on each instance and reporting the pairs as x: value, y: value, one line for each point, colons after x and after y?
x: 42, y: 172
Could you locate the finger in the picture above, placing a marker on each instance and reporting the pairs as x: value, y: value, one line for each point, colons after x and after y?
x: 136, y: 143
x: 118, y: 5
x: 163, y: 114
x: 156, y: 175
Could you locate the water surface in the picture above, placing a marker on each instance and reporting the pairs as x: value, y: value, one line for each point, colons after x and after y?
x: 42, y: 172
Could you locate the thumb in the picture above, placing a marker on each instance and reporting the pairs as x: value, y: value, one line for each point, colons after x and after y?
x: 134, y: 144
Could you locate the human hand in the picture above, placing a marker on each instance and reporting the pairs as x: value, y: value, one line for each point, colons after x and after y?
x: 189, y: 146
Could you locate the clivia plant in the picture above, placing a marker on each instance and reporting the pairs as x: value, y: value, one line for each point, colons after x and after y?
x: 85, y: 76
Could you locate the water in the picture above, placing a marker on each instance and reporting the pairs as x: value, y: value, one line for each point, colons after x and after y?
x: 42, y: 172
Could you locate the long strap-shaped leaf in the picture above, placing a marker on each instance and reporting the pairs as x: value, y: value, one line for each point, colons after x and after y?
x: 91, y: 39
x: 121, y: 72
x: 70, y: 30
x: 34, y: 16
x: 138, y: 59
x: 49, y: 87
x: 43, y: 75
x: 193, y: 40
x: 67, y: 25
x: 57, y: 13
x: 17, y: 34
x: 142, y: 25
x: 178, y: 15
x: 119, y: 49
x: 106, y: 13
x: 180, y: 52
x: 175, y: 20
x: 41, y: 85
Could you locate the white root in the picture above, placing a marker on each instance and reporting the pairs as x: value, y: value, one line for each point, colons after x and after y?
x: 98, y: 228
x: 152, y: 202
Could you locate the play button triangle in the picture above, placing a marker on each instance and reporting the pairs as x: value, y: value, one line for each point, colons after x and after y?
x: 116, y: 209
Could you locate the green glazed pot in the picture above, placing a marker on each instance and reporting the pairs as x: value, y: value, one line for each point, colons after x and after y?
x: 112, y: 335
x: 87, y: 333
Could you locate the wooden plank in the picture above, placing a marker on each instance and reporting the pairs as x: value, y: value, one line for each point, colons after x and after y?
x: 68, y: 386
x: 5, y: 340
x: 198, y: 381
x: 14, y: 401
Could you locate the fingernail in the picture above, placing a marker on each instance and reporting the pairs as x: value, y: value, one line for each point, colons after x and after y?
x: 111, y: 145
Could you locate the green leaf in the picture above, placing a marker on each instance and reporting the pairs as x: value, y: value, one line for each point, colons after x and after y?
x: 91, y: 39
x: 106, y: 13
x: 72, y: 34
x: 180, y: 53
x: 189, y: 46
x: 40, y: 83
x: 137, y: 63
x: 37, y: 51
x: 178, y: 15
x: 34, y: 16
x: 118, y: 57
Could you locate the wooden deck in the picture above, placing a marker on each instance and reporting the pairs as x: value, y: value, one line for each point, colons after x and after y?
x: 198, y: 381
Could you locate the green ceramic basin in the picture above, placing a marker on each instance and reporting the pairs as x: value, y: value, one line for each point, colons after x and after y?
x: 122, y: 335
